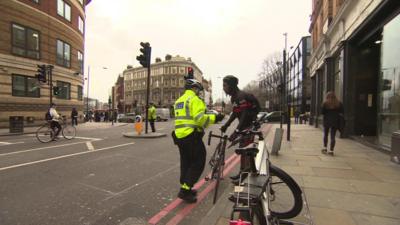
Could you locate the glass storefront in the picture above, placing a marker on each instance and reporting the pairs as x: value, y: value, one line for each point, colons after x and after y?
x: 389, y: 99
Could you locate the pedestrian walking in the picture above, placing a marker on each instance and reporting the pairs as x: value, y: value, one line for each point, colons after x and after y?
x: 190, y: 121
x: 74, y: 117
x: 296, y: 116
x: 152, y: 116
x: 332, y: 111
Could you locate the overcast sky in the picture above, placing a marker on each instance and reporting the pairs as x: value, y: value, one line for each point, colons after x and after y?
x: 221, y: 36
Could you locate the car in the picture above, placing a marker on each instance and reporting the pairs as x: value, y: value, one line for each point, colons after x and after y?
x: 162, y: 114
x: 127, y: 118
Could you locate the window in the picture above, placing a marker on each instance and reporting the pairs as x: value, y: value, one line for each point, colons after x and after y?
x: 25, y: 86
x: 80, y: 61
x: 25, y: 42
x: 64, y: 10
x: 81, y: 1
x: 80, y: 24
x: 35, y: 1
x: 63, y: 54
x: 80, y: 93
x: 65, y: 90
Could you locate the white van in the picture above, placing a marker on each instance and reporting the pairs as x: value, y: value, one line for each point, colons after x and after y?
x: 162, y: 114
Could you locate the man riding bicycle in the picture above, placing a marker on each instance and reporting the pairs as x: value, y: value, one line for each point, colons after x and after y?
x: 245, y: 109
x: 54, y: 117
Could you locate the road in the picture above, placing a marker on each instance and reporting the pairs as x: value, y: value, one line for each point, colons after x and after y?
x: 100, y: 177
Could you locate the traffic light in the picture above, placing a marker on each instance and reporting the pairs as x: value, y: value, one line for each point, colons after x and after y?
x: 144, y: 58
x: 190, y: 73
x: 56, y: 90
x: 41, y: 75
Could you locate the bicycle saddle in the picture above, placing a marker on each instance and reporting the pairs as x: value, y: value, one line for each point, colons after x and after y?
x: 249, y: 151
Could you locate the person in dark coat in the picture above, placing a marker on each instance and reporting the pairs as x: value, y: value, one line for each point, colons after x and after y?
x: 74, y: 117
x: 332, y: 110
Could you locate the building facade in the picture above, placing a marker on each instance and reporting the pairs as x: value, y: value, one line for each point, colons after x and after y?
x: 36, y: 32
x: 166, y: 84
x: 356, y: 55
x: 298, y: 84
x: 118, y: 95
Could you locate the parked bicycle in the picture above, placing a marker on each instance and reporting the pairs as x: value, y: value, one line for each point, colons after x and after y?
x: 217, y: 161
x: 268, y: 195
x: 46, y: 133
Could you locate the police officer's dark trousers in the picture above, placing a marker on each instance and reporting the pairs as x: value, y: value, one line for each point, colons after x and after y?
x: 193, y: 158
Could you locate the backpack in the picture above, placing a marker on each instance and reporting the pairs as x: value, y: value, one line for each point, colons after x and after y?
x: 47, y: 116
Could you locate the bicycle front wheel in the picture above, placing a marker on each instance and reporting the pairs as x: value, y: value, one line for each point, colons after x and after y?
x: 218, y: 170
x: 286, y: 200
x: 45, y: 134
x: 69, y: 132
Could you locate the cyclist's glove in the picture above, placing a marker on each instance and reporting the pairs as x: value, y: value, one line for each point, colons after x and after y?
x: 233, y: 136
x: 219, y: 117
x: 223, y: 128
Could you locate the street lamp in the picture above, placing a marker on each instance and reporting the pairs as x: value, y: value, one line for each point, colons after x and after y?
x: 87, y: 95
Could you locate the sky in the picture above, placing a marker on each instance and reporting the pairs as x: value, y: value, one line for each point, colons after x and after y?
x: 221, y: 36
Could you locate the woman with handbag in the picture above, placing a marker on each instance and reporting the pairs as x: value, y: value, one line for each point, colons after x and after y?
x: 332, y: 110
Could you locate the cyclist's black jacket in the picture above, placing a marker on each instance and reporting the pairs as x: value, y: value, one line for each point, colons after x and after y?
x: 245, y: 108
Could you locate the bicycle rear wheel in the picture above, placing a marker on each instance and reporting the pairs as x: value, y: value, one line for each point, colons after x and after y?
x: 69, y: 132
x: 286, y: 200
x: 255, y: 217
x: 45, y: 134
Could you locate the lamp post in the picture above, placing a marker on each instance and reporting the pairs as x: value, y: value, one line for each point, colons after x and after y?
x: 287, y: 95
x: 87, y: 92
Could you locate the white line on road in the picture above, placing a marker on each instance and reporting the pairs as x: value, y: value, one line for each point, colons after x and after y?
x: 10, y: 143
x: 89, y: 138
x: 64, y: 156
x: 37, y: 149
x: 89, y: 146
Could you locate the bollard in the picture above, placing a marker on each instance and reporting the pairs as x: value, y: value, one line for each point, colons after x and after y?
x: 138, y: 124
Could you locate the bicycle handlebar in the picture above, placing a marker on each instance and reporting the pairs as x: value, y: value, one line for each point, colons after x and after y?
x: 210, y: 134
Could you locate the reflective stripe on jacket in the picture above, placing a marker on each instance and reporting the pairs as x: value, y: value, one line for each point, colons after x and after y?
x: 190, y: 114
x: 152, y: 113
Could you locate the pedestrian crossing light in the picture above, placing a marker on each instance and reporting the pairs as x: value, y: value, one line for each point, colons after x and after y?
x: 56, y: 90
x: 144, y: 58
x: 41, y: 75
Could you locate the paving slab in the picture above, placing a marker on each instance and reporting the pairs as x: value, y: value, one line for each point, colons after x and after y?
x: 363, y: 219
x: 344, y: 174
x: 327, y: 216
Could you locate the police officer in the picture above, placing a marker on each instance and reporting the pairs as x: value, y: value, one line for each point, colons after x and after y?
x: 152, y: 116
x: 190, y: 121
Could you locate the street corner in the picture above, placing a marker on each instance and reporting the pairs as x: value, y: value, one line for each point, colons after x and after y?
x: 143, y: 135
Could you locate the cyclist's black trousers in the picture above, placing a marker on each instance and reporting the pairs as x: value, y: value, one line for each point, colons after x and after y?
x: 193, y: 158
x: 56, y: 124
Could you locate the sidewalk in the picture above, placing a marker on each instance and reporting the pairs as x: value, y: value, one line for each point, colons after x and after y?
x: 81, y: 126
x: 357, y: 186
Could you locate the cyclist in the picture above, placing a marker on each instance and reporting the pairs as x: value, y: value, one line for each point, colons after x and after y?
x: 245, y: 109
x: 54, y: 119
x: 190, y: 122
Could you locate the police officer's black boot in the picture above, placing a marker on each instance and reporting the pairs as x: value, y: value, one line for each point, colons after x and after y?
x: 187, y: 196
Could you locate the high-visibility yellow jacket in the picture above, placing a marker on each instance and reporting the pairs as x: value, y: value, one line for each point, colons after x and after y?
x: 152, y: 113
x: 190, y: 115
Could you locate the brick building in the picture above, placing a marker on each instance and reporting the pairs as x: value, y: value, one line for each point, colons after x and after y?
x: 35, y: 32
x: 355, y: 54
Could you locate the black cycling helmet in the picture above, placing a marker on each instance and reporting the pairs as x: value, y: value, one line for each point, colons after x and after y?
x: 190, y: 83
x: 231, y: 80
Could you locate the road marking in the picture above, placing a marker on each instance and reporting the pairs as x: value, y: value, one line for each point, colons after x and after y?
x: 156, y: 218
x: 10, y: 143
x: 37, y: 149
x: 64, y: 156
x: 89, y: 146
x: 89, y: 138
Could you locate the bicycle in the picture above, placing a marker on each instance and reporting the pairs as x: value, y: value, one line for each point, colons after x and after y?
x: 256, y: 199
x: 46, y: 134
x: 217, y: 161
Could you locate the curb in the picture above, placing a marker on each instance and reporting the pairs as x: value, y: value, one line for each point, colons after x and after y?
x: 16, y: 134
